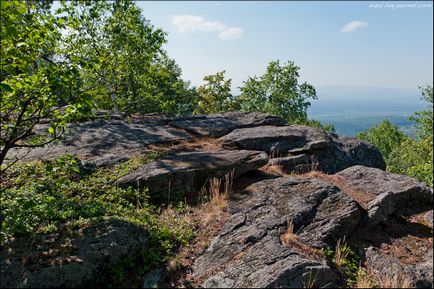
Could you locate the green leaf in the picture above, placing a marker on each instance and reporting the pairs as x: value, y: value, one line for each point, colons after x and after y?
x: 6, y: 87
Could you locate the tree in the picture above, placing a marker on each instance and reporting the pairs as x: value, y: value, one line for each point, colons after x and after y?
x: 411, y: 156
x: 278, y: 92
x: 424, y: 119
x: 214, y: 96
x: 414, y: 157
x: 166, y: 90
x: 316, y: 123
x: 37, y: 84
x: 386, y: 137
x: 125, y: 67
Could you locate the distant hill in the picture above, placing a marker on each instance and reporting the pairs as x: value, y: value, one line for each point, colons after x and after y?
x: 352, y: 109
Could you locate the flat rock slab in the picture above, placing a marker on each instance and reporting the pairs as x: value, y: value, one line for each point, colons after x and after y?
x: 248, y: 252
x: 187, y: 173
x: 95, y: 139
x: 218, y: 125
x: 383, y: 193
x: 327, y: 152
x: 56, y: 260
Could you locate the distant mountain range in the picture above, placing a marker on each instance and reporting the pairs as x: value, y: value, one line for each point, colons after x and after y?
x: 352, y: 109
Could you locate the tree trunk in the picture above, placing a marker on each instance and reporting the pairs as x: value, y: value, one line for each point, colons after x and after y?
x: 112, y: 93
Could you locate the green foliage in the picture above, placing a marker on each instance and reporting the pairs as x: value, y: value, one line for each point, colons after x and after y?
x: 36, y: 83
x: 424, y: 119
x: 215, y: 95
x: 403, y: 154
x: 413, y: 158
x: 386, y: 137
x: 278, y: 92
x: 315, y: 123
x: 40, y: 197
x: 345, y: 260
x: 123, y: 64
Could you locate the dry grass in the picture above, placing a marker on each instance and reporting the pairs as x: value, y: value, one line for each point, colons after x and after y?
x: 275, y: 169
x: 342, y: 252
x: 374, y: 279
x: 364, y: 280
x: 361, y: 197
x: 291, y: 240
x: 203, y: 144
x: 217, y: 193
x: 399, y: 280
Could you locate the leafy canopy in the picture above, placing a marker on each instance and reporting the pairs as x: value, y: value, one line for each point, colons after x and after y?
x: 215, y: 95
x: 124, y: 65
x: 278, y: 92
x: 37, y: 84
x: 411, y: 156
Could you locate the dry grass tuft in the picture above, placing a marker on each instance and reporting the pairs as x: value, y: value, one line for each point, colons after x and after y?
x: 275, y: 169
x: 342, y: 252
x: 290, y: 239
x: 289, y: 235
x: 218, y: 195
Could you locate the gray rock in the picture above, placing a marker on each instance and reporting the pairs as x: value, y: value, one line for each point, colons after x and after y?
x: 385, y: 193
x: 387, y: 267
x: 248, y: 251
x: 73, y: 262
x: 208, y: 127
x: 298, y: 163
x: 107, y: 160
x: 187, y: 173
x: 99, y: 138
x: 153, y: 278
x: 327, y: 152
x: 218, y: 125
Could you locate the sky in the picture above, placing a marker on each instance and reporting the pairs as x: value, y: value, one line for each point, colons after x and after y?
x: 364, y: 43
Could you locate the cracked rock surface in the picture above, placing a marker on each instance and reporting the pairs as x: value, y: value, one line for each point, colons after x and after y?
x: 248, y: 252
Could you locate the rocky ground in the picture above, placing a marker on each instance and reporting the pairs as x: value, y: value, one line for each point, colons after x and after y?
x: 295, y: 193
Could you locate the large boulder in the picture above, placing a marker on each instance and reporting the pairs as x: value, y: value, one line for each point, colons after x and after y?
x: 94, y: 140
x: 382, y: 193
x: 249, y: 251
x: 187, y: 173
x: 323, y: 151
x: 218, y: 125
x: 77, y: 261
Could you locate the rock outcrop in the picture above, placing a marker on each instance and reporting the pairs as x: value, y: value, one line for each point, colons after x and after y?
x: 383, y: 193
x: 96, y: 140
x: 116, y: 135
x: 59, y: 260
x: 418, y: 275
x: 249, y: 251
x: 222, y: 124
x: 276, y: 227
x: 187, y: 173
x: 320, y: 150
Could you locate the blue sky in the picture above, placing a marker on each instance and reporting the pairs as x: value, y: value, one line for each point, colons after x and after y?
x: 379, y: 44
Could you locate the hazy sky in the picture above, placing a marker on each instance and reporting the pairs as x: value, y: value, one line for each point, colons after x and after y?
x: 382, y: 44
